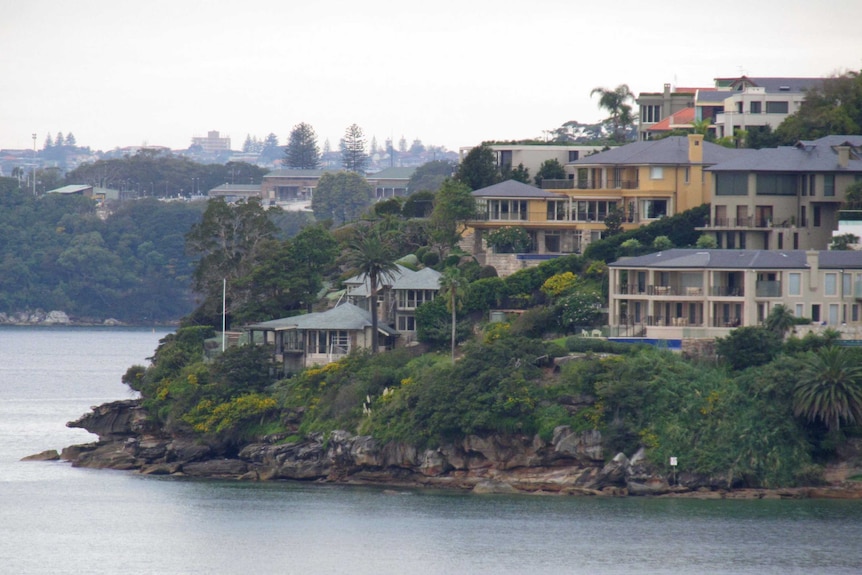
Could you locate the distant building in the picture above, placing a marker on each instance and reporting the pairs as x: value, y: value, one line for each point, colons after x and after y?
x: 510, y: 156
x: 73, y: 190
x: 213, y: 143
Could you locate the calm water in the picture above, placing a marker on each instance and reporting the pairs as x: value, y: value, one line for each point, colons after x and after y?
x: 55, y: 519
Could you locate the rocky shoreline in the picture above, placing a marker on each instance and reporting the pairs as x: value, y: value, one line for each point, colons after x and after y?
x: 570, y: 464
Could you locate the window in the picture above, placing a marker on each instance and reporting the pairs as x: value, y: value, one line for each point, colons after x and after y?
x: 574, y: 155
x: 815, y: 216
x: 830, y: 286
x: 846, y: 285
x: 811, y: 188
x: 557, y: 210
x: 854, y: 312
x: 829, y: 184
x: 731, y: 184
x: 798, y: 312
x: 776, y: 185
x: 406, y: 323
x: 756, y: 107
x: 833, y: 314
x: 687, y: 174
x: 794, y: 284
x: 776, y: 107
x: 650, y: 114
x: 656, y: 173
x: 815, y: 312
x: 507, y: 209
x: 653, y: 209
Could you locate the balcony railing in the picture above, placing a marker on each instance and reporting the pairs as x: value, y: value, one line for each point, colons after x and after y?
x: 766, y: 288
x: 659, y: 290
x: 748, y: 222
x: 590, y: 184
x: 658, y: 321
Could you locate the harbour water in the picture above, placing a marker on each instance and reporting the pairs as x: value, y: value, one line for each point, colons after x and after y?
x: 56, y: 519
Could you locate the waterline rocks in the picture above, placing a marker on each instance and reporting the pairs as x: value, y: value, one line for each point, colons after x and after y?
x: 569, y: 463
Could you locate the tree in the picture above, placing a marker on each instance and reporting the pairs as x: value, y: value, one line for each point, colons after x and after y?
x: 662, y: 243
x: 369, y: 254
x: 70, y: 139
x: 614, y: 222
x: 453, y: 207
x: 844, y: 242
x: 615, y: 102
x: 311, y: 251
x: 706, y: 242
x: 341, y: 197
x: 429, y: 176
x: 48, y: 142
x: 748, y: 347
x: 226, y: 243
x: 478, y: 170
x: 779, y: 320
x: 830, y: 387
x: 453, y: 287
x: 835, y: 107
x: 302, y: 151
x: 59, y: 141
x: 550, y: 170
x: 509, y: 240
x: 519, y: 174
x: 353, y: 155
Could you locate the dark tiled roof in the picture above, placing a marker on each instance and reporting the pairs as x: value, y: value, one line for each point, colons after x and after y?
x: 289, y: 173
x: 741, y: 259
x: 814, y: 156
x: 512, y: 189
x: 672, y: 150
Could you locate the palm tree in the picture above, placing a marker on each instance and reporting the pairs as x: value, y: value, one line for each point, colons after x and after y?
x: 369, y: 254
x: 780, y: 319
x: 830, y: 387
x: 616, y: 103
x: 453, y: 287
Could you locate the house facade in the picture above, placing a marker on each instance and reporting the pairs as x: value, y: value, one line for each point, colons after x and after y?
x: 783, y: 198
x: 398, y: 296
x: 647, y: 180
x: 690, y: 293
x: 320, y: 338
x: 509, y: 156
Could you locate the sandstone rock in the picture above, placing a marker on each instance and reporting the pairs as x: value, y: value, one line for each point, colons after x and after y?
x: 585, y: 446
x: 72, y: 452
x: 115, y: 420
x: 498, y: 487
x: 110, y: 455
x: 49, y: 455
x: 503, y: 452
x: 365, y: 452
x: 160, y: 469
x: 56, y: 318
x: 614, y: 472
x: 215, y: 468
x: 184, y: 449
x: 399, y: 455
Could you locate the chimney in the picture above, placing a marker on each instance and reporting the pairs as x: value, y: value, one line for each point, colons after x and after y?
x: 695, y: 148
x: 812, y: 260
x: 667, y: 89
x: 843, y: 155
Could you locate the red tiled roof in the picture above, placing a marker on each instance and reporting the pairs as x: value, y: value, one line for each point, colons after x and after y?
x: 684, y: 117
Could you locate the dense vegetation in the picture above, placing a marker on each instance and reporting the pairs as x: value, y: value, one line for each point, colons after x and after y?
x: 57, y: 254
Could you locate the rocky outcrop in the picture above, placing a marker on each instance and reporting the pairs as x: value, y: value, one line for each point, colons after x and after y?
x: 570, y: 463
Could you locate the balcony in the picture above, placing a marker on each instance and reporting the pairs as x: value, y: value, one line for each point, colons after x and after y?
x: 659, y: 290
x: 748, y: 222
x: 765, y: 288
x: 589, y: 185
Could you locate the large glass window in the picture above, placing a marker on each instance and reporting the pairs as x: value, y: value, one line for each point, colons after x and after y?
x: 507, y: 210
x: 794, y: 284
x: 830, y: 287
x: 731, y: 184
x: 776, y: 185
x: 829, y: 184
x: 656, y: 173
x: 776, y: 107
x: 653, y: 209
x: 558, y: 210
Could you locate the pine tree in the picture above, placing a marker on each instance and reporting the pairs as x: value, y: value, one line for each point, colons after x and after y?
x: 70, y: 139
x: 48, y: 142
x: 59, y: 142
x: 353, y: 155
x: 302, y: 151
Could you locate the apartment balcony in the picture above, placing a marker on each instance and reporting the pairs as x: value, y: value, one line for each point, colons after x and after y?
x: 675, y: 291
x: 747, y: 222
x: 589, y: 185
x: 765, y: 288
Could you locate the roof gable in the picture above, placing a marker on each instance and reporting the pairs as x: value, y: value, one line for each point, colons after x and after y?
x: 512, y: 189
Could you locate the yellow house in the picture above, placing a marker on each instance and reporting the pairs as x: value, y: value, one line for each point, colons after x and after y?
x: 646, y: 180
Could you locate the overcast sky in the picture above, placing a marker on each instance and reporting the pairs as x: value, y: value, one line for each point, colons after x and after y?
x: 452, y: 73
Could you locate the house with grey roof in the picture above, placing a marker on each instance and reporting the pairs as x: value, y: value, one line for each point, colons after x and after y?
x: 783, y: 198
x: 398, y: 297
x: 691, y: 293
x: 320, y: 338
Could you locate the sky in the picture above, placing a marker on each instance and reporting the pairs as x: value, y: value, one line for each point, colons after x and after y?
x: 450, y: 73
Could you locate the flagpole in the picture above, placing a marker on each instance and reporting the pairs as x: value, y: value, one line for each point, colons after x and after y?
x: 223, y: 312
